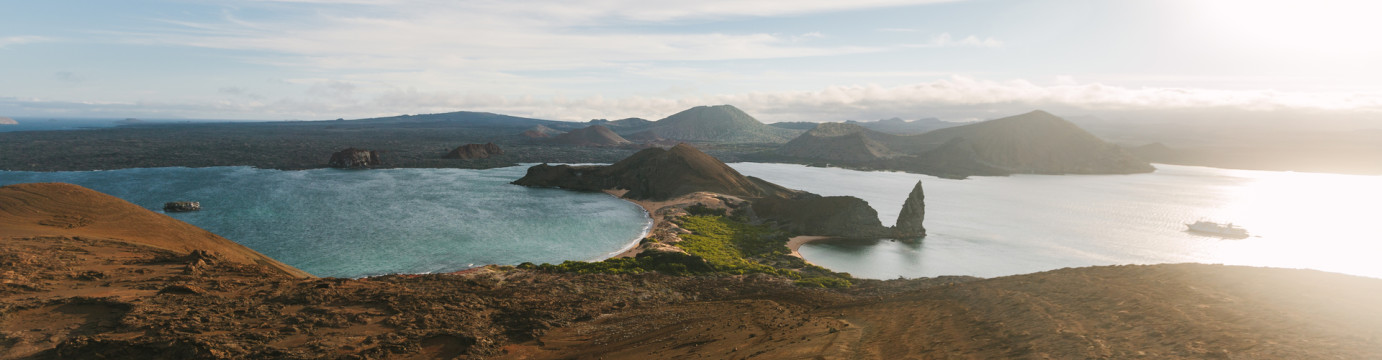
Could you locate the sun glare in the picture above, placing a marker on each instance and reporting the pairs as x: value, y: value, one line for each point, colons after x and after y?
x: 1307, y: 219
x: 1328, y: 27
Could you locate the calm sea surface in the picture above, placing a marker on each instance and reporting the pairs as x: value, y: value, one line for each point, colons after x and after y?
x: 994, y: 226
x: 356, y: 223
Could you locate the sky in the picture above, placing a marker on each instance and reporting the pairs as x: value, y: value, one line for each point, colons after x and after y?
x: 804, y: 60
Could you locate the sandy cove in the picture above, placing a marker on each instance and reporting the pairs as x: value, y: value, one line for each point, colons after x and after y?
x: 656, y: 210
x: 796, y: 242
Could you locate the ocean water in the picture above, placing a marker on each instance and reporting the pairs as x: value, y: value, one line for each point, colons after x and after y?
x: 995, y: 226
x: 346, y: 223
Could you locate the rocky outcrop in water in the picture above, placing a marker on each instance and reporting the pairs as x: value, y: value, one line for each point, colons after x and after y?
x: 352, y: 158
x: 182, y: 206
x: 811, y: 214
x: 657, y: 174
x: 475, y: 151
x: 913, y: 212
x: 7, y: 121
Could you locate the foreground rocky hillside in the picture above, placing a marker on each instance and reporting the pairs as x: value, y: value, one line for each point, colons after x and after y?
x: 104, y: 288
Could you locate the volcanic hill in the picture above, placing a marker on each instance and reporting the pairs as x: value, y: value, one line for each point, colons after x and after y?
x: 1035, y: 142
x: 1032, y: 143
x: 594, y: 135
x: 840, y: 142
x: 662, y: 175
x: 540, y: 132
x: 655, y: 174
x: 720, y: 123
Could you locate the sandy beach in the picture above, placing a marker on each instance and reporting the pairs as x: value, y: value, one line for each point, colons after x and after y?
x: 796, y: 242
x: 651, y: 207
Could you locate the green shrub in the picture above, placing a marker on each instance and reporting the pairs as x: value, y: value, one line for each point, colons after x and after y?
x: 716, y: 245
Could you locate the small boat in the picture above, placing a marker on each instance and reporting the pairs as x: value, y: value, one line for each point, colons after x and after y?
x: 1213, y: 228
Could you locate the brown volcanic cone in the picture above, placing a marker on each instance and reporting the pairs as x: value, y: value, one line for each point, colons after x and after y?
x: 655, y: 174
x: 66, y: 210
x: 594, y: 135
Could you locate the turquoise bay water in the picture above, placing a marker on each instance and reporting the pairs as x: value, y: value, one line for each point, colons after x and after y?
x: 995, y: 226
x: 358, y: 223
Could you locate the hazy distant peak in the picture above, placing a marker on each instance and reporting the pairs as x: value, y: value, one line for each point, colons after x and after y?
x: 719, y: 123
x: 1038, y: 113
x: 7, y: 121
x: 726, y: 113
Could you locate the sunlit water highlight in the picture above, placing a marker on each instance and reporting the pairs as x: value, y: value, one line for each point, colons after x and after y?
x: 994, y: 226
x: 358, y: 223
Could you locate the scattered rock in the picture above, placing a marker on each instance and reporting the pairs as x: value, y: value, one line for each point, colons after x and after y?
x: 182, y: 206
x: 352, y: 158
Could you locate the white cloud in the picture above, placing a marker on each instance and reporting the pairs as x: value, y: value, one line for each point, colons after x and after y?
x: 476, y: 37
x: 946, y: 40
x: 7, y: 41
x: 632, y: 10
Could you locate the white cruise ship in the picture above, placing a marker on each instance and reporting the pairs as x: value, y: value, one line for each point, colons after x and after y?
x: 1225, y: 230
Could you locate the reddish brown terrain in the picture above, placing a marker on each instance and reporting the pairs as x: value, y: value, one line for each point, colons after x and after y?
x: 84, y: 275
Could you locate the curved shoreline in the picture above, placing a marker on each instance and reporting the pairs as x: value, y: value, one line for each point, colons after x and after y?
x: 794, y: 244
x: 631, y: 249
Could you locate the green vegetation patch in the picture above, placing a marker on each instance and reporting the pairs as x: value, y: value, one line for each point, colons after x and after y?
x: 717, y: 245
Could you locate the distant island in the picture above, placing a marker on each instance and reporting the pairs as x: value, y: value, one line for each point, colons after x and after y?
x: 7, y: 121
x: 1033, y: 143
x: 410, y: 141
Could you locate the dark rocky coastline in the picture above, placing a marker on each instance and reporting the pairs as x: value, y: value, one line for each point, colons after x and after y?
x: 474, y: 151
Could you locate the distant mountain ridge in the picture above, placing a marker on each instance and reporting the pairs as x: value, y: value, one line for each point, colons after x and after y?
x: 1036, y: 142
